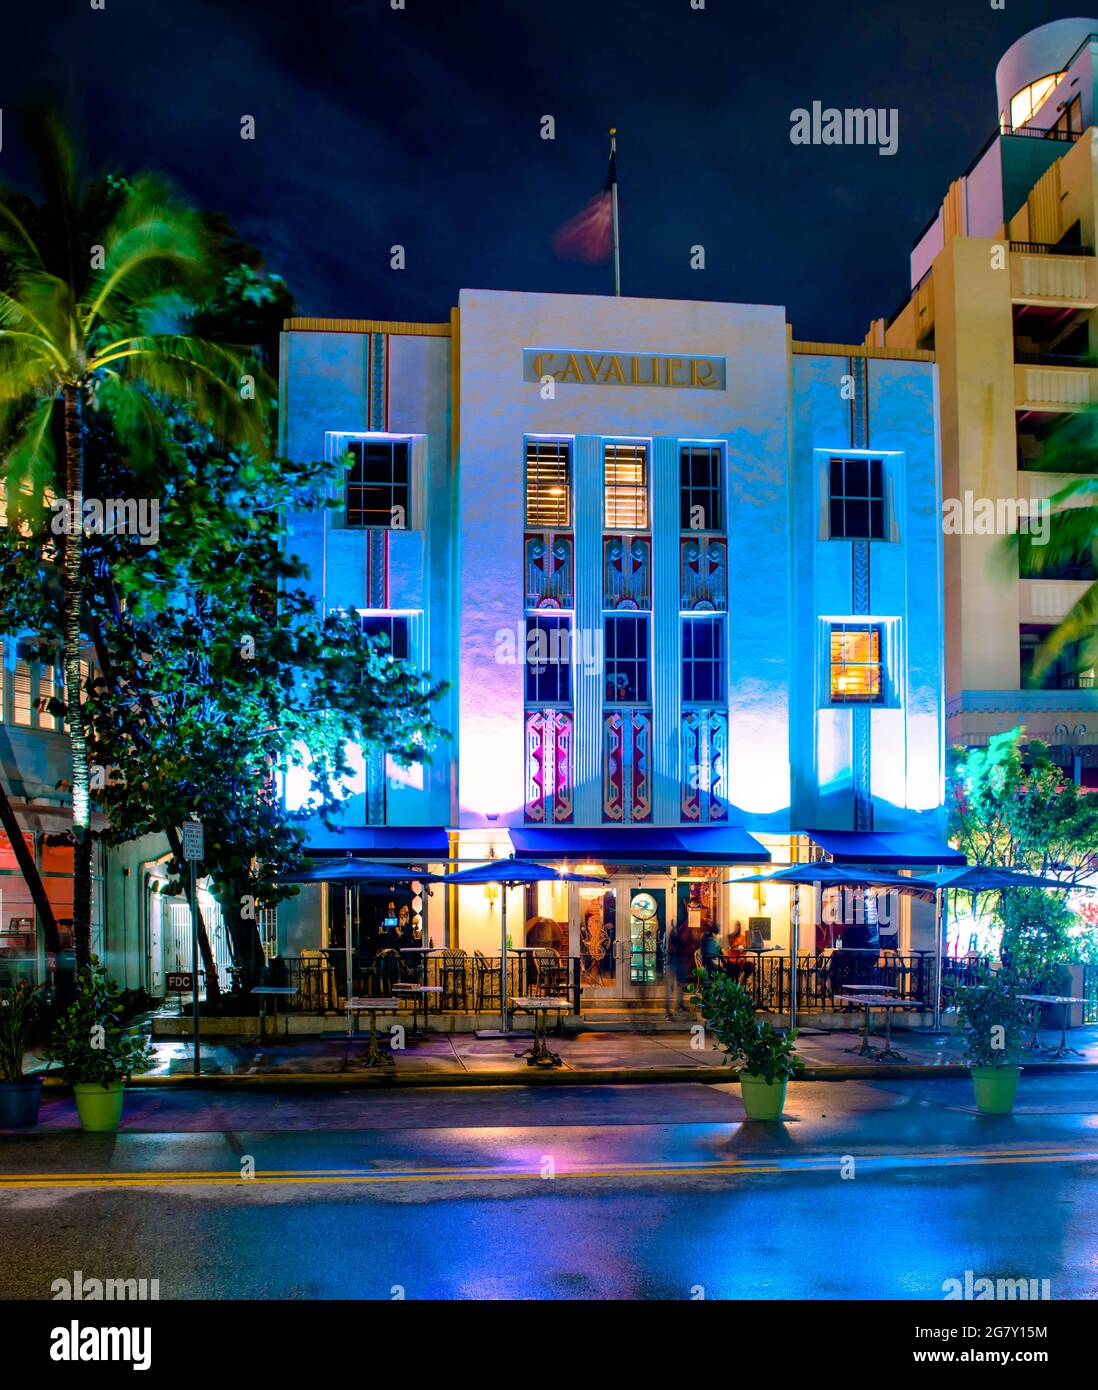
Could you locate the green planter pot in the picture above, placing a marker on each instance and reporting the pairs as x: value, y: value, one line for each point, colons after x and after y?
x: 762, y: 1099
x: 995, y: 1088
x: 19, y: 1102
x: 99, y: 1106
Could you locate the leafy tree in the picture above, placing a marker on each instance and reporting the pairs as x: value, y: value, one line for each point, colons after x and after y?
x: 226, y: 671
x: 92, y: 279
x: 1020, y: 812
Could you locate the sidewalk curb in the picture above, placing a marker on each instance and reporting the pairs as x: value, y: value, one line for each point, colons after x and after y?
x: 710, y: 1076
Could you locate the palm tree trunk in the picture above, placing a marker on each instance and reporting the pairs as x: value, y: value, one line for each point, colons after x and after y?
x: 81, y: 789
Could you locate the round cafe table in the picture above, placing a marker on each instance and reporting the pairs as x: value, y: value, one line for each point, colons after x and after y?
x: 1065, y: 1001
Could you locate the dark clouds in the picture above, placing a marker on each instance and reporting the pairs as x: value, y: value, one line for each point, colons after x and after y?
x: 421, y: 127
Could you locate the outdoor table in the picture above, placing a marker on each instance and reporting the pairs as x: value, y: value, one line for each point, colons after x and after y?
x: 871, y: 989
x: 1065, y: 1001
x: 263, y: 991
x: 886, y: 1003
x: 415, y: 991
x: 539, y: 1054
x: 373, y: 1007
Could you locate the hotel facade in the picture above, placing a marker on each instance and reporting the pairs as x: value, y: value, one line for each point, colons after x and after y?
x: 682, y: 576
x: 1004, y: 291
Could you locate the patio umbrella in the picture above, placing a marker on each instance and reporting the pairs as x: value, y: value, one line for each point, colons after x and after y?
x: 351, y: 871
x: 974, y: 878
x: 510, y: 873
x: 823, y: 874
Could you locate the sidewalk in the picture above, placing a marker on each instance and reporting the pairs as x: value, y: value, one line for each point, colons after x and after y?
x: 588, y: 1058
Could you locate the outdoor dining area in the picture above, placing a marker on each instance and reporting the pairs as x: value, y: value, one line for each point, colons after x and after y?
x: 861, y: 980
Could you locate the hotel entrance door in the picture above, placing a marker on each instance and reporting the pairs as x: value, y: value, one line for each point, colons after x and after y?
x: 622, y: 937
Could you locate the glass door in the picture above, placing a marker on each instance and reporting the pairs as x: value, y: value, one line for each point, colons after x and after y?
x: 644, y: 956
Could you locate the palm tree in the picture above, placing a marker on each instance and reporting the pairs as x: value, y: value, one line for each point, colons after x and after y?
x: 1072, y: 542
x: 94, y: 282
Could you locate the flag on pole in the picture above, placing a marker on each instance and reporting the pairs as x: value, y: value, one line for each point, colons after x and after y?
x: 589, y: 236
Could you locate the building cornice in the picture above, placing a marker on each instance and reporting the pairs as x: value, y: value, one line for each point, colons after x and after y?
x: 407, y: 330
x: 862, y: 350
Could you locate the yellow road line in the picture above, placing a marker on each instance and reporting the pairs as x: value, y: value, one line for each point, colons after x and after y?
x: 12, y: 1182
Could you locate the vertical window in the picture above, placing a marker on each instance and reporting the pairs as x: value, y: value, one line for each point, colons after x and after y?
x: 857, y: 668
x: 48, y: 689
x: 701, y: 488
x: 22, y: 708
x: 393, y: 627
x: 857, y: 499
x: 377, y: 484
x: 703, y: 661
x: 625, y: 475
x: 626, y: 659
x: 548, y: 660
x: 548, y: 484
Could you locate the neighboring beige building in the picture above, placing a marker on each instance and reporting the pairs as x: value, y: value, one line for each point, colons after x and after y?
x: 1005, y: 291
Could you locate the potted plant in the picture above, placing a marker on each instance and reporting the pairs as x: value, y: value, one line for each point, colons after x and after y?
x: 764, y: 1058
x: 993, y: 1019
x: 20, y: 1095
x: 96, y: 1054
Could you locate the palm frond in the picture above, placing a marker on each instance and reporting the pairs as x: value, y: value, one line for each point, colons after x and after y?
x: 1078, y: 624
x: 29, y: 468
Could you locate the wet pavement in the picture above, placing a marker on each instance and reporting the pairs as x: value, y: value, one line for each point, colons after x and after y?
x: 880, y: 1188
x: 461, y: 1056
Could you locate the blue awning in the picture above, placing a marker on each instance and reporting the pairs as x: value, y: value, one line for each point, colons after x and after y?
x: 899, y: 849
x: 418, y: 843
x: 640, y: 844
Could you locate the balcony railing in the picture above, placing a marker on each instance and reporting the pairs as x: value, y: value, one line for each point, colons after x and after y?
x: 1046, y: 248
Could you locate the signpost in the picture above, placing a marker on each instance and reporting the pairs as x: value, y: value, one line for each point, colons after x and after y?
x: 193, y: 852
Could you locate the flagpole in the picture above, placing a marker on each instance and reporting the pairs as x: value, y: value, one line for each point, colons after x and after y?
x: 614, y: 205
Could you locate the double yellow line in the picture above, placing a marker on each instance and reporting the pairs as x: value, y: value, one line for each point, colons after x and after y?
x: 699, y: 1169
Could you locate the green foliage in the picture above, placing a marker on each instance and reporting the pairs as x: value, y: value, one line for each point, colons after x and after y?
x: 89, y: 1042
x: 993, y: 1018
x: 1023, y: 813
x: 750, y: 1043
x: 19, y: 1013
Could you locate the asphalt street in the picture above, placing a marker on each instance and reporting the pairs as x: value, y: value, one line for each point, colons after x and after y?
x: 882, y: 1189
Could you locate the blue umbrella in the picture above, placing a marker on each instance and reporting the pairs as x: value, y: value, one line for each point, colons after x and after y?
x: 509, y: 873
x: 349, y: 871
x: 977, y: 878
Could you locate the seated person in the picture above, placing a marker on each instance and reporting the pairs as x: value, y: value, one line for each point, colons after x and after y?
x: 736, y: 961
x: 712, y: 959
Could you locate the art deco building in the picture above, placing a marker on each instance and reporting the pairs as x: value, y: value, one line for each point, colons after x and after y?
x: 683, y: 576
x: 1005, y: 292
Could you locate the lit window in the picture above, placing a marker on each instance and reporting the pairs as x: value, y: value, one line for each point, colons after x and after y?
x: 548, y: 660
x: 857, y: 673
x: 703, y: 660
x: 1024, y: 103
x: 377, y: 484
x: 857, y: 499
x: 701, y: 488
x: 625, y: 471
x: 548, y: 483
x: 393, y: 627
x: 626, y: 659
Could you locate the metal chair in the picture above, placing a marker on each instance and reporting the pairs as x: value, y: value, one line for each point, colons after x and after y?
x: 452, y: 979
x: 486, y: 974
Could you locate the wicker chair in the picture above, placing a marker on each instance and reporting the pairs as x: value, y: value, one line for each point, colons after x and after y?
x: 550, y: 973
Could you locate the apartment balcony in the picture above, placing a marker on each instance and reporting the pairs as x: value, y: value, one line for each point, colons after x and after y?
x: 1053, y: 278
x: 1054, y: 389
x: 1047, y: 601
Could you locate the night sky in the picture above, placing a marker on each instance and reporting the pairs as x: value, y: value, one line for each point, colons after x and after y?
x: 421, y: 126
